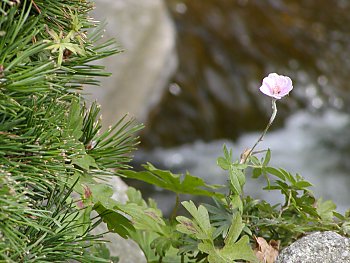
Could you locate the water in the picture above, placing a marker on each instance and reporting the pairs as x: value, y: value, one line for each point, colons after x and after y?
x: 226, y: 47
x: 308, y: 144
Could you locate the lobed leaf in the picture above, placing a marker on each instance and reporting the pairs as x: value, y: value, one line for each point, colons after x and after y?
x: 115, y: 221
x: 180, y: 184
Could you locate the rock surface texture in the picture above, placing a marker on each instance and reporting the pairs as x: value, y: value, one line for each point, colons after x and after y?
x: 319, y: 247
x: 146, y: 34
x: 126, y: 249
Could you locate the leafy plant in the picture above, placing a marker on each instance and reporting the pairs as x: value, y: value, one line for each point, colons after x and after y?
x: 228, y: 230
x: 300, y: 213
x: 201, y: 228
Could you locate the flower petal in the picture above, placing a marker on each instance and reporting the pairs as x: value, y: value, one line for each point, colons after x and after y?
x: 287, y: 86
x: 266, y: 90
x: 276, y: 86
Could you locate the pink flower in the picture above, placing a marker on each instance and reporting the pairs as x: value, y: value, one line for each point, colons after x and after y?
x: 276, y: 86
x: 87, y: 192
x: 80, y: 204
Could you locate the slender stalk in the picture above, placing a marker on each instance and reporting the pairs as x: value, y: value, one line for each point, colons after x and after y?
x: 286, y: 206
x: 176, y: 207
x: 272, y: 118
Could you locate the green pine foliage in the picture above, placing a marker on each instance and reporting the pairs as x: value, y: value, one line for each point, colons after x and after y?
x: 51, y: 152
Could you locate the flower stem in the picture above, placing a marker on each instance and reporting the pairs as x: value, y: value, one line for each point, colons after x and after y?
x: 274, y: 113
x: 176, y: 207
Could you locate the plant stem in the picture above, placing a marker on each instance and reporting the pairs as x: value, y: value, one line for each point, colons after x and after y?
x: 286, y: 206
x: 274, y: 113
x: 176, y: 207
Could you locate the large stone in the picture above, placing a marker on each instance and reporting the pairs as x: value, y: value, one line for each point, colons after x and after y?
x: 146, y: 34
x: 144, y: 30
x: 319, y: 247
x: 126, y: 249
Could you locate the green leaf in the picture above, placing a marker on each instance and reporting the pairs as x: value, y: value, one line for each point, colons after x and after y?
x: 229, y: 253
x: 240, y: 175
x: 267, y: 158
x: 302, y: 184
x: 134, y: 196
x: 220, y: 217
x: 116, y: 222
x: 235, y: 229
x: 148, y: 219
x: 325, y: 209
x: 227, y: 154
x: 257, y: 172
x: 161, y: 245
x: 239, y: 250
x: 288, y: 176
x: 181, y: 184
x: 201, y: 217
x: 275, y: 172
x: 200, y: 224
x: 75, y: 120
x: 144, y: 239
x: 222, y: 162
x: 236, y: 203
x: 103, y: 193
x: 84, y: 220
x: 101, y: 250
x: 213, y: 253
x: 187, y: 226
x: 255, y: 161
x: 236, y: 179
x: 113, y: 148
x: 85, y: 162
x: 347, y: 213
x: 346, y: 228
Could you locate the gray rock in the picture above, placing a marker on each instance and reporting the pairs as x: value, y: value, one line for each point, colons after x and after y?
x: 140, y: 74
x: 126, y: 249
x: 318, y: 247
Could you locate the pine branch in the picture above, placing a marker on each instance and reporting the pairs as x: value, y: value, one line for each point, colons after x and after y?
x: 49, y: 140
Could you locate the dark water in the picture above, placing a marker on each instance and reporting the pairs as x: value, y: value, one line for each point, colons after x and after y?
x: 226, y: 47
